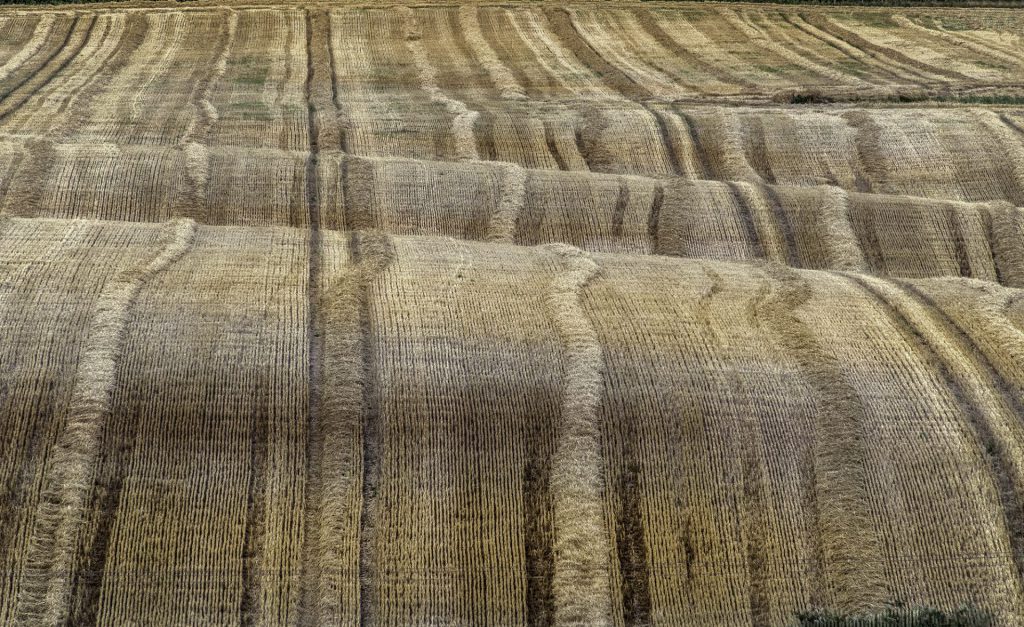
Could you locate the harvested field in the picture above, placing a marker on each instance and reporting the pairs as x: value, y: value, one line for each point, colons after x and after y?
x: 620, y: 313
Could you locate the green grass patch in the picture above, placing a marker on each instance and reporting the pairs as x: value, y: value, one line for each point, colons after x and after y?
x: 887, y: 3
x: 875, y: 20
x: 251, y: 109
x: 250, y: 70
x: 257, y: 80
x: 986, y: 99
x: 951, y: 23
x: 817, y: 96
x: 899, y: 616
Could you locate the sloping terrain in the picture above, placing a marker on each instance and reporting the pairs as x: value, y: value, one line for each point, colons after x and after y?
x: 523, y: 313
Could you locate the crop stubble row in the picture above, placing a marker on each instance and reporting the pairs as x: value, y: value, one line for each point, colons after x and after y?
x: 724, y: 395
x: 297, y: 416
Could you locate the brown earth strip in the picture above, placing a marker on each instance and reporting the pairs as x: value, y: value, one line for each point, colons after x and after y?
x: 698, y: 146
x: 784, y: 224
x: 314, y: 347
x: 483, y: 132
x: 532, y: 216
x: 959, y: 244
x: 654, y: 216
x: 538, y: 526
x: 347, y: 201
x: 631, y: 546
x: 758, y: 150
x: 867, y: 234
x: 854, y: 570
x: 372, y: 253
x: 989, y: 220
x: 1005, y: 226
x: 747, y: 219
x: 871, y: 168
x: 621, y: 202
x: 549, y: 139
x: 666, y: 140
x: 756, y: 540
x: 312, y: 182
x: 254, y: 541
x: 583, y: 146
x: 592, y: 142
x: 312, y: 195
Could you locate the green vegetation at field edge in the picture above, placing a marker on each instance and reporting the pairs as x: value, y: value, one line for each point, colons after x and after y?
x: 899, y: 616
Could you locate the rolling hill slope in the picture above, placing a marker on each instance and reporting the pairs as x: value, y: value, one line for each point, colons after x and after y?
x: 659, y: 313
